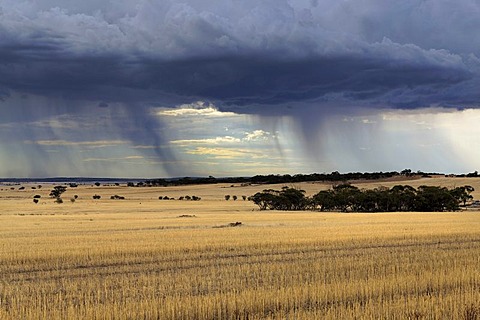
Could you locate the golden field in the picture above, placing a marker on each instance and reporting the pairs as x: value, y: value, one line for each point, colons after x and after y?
x: 142, y: 258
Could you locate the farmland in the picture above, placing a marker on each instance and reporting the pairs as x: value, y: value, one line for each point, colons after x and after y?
x: 169, y: 259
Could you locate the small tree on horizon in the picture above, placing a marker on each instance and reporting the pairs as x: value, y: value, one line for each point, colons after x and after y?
x: 57, y: 191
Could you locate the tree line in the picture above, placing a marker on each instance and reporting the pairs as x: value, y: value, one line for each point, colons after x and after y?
x: 348, y: 198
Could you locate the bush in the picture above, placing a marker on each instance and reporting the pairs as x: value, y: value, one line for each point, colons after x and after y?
x: 227, y: 197
x: 96, y: 197
x: 59, y: 200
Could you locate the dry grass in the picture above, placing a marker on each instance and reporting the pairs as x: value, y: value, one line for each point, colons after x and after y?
x: 139, y: 259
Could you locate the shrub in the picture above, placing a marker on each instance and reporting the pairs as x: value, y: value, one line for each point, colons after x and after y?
x: 234, y: 198
x: 59, y: 200
x: 227, y: 197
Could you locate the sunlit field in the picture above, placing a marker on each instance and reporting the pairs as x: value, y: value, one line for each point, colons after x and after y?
x: 144, y: 258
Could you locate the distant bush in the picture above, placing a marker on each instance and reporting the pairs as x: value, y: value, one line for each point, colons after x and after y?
x: 37, y: 196
x: 244, y: 198
x: 227, y: 197
x: 72, y: 200
x: 96, y: 197
x: 35, y: 200
x: 234, y: 198
x: 59, y: 200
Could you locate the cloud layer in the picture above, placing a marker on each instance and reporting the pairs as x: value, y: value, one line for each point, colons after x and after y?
x: 74, y: 72
x: 244, y: 53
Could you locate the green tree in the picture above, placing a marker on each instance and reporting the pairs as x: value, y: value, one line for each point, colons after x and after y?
x: 57, y: 191
x: 323, y: 201
x: 346, y: 197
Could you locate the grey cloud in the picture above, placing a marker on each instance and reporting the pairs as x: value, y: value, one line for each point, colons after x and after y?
x: 259, y: 57
x: 267, y: 53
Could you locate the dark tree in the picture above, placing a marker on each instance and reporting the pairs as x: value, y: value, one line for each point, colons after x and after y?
x: 57, y: 191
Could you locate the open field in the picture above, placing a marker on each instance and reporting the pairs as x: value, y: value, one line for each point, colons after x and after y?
x: 142, y: 258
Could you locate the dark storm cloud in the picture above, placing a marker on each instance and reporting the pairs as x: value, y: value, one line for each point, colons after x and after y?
x: 274, y: 53
x: 258, y: 57
x: 233, y: 80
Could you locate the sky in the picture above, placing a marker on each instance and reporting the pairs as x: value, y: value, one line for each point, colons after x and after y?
x: 145, y: 88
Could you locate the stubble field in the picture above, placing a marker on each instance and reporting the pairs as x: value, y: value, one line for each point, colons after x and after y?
x: 144, y: 258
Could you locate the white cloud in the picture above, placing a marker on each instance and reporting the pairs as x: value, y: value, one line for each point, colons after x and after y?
x: 208, y: 141
x: 249, y: 137
x: 198, y: 108
x: 113, y: 159
x: 227, y: 153
x: 90, y: 144
x: 257, y: 135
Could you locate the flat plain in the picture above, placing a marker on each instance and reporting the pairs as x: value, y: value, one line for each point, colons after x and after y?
x: 145, y: 258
